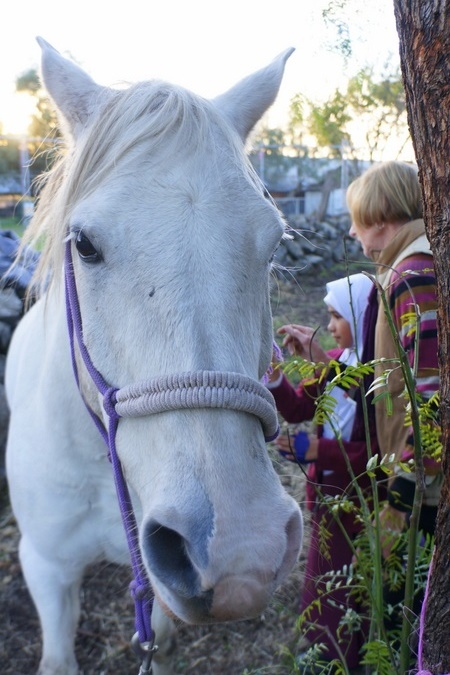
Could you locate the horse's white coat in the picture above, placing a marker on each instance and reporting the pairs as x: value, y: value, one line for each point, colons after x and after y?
x: 156, y: 179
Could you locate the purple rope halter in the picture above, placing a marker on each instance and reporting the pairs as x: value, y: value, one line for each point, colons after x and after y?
x: 201, y: 389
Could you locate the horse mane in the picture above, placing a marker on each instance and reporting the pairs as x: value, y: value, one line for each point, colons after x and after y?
x: 130, y: 123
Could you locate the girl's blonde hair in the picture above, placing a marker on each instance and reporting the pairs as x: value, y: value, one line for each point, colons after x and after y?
x: 386, y: 193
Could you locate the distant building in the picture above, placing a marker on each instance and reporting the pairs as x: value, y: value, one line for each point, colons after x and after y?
x: 321, y: 189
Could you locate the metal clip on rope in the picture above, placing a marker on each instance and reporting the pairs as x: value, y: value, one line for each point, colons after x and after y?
x: 145, y: 651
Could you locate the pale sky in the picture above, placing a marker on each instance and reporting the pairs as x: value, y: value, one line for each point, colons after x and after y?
x: 200, y: 44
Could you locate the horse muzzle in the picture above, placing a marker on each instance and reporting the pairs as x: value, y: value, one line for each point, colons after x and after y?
x: 198, y: 588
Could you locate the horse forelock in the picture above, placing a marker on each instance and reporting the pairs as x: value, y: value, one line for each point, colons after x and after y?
x: 151, y: 119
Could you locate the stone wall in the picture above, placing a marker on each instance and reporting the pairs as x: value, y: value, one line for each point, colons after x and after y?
x: 314, y: 245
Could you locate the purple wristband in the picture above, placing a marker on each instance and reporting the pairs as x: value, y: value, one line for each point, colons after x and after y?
x: 301, y: 445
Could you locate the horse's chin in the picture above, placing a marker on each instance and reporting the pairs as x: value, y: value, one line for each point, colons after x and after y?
x: 240, y: 597
x: 234, y: 598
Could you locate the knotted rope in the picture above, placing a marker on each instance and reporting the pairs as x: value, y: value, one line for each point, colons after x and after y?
x: 199, y: 389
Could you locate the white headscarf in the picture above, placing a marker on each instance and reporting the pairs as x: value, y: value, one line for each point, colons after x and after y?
x: 348, y: 296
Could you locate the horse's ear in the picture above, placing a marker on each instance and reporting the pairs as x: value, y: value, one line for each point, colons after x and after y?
x: 74, y: 92
x: 246, y: 102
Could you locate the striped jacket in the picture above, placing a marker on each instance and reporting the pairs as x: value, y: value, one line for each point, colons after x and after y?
x: 406, y: 273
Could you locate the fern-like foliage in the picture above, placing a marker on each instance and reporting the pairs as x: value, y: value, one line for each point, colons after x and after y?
x: 402, y: 574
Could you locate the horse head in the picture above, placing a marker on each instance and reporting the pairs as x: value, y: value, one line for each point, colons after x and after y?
x: 172, y: 237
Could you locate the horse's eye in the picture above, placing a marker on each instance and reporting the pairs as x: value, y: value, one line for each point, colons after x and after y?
x: 86, y: 249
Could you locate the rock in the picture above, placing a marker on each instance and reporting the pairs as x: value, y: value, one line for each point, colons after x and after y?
x: 316, y: 245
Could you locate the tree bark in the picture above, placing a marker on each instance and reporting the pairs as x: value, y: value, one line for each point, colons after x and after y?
x: 423, y: 27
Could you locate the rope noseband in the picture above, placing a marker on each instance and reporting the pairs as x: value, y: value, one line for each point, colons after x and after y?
x: 185, y: 391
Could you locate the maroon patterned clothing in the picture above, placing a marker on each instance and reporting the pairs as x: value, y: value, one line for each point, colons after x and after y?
x: 330, y: 476
x: 299, y: 405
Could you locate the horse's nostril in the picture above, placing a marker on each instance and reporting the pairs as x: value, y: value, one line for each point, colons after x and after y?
x: 168, y: 559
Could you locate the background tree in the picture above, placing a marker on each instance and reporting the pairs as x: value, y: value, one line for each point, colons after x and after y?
x: 379, y: 106
x: 296, y: 129
x: 365, y: 114
x: 44, y: 122
x: 9, y: 156
x: 423, y: 27
x: 335, y: 17
x: 43, y: 129
x: 328, y: 123
x: 268, y: 155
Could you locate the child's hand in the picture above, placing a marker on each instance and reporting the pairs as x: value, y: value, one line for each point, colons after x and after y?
x: 300, y: 448
x: 300, y: 341
x: 285, y: 447
x: 274, y: 372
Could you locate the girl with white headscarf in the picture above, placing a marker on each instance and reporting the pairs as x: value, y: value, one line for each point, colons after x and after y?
x: 348, y: 298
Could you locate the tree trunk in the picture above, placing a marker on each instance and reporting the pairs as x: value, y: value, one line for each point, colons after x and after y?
x: 423, y: 27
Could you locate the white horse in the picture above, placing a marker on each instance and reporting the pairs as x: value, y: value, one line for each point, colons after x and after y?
x: 169, y: 240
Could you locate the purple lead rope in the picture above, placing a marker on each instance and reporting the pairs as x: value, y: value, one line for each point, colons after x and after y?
x: 193, y: 390
x: 140, y: 587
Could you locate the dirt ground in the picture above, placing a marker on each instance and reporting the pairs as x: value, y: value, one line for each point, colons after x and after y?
x: 103, y: 644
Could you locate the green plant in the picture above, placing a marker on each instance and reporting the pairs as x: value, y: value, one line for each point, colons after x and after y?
x: 387, y: 649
